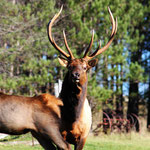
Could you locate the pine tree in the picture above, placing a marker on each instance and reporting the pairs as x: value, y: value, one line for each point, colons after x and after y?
x: 28, y: 63
x: 135, y: 56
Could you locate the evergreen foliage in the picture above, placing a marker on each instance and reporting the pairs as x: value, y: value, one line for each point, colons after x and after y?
x: 28, y: 63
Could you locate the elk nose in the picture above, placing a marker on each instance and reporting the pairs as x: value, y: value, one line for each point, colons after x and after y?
x: 76, y: 75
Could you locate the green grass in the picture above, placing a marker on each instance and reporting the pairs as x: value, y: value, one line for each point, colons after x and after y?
x: 132, y: 141
x: 24, y: 137
x: 20, y: 147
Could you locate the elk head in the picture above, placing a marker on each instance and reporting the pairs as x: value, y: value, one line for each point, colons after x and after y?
x: 78, y: 67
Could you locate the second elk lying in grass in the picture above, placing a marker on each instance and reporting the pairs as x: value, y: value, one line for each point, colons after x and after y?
x: 76, y: 113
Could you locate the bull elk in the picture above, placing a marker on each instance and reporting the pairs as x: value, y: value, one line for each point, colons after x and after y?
x: 39, y: 115
x: 76, y: 113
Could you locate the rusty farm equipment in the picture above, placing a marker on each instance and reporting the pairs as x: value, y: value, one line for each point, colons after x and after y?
x: 112, y: 122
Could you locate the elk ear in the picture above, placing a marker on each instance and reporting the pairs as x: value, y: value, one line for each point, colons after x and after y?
x: 63, y: 61
x: 92, y: 63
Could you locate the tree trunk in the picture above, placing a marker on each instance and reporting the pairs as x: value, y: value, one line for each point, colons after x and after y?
x: 148, y: 107
x: 133, y: 108
x: 119, y: 99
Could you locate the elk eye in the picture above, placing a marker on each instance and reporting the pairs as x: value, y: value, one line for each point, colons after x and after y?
x: 84, y: 68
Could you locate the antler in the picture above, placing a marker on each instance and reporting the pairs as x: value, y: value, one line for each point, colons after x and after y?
x: 99, y: 50
x: 51, y: 39
x: 90, y: 45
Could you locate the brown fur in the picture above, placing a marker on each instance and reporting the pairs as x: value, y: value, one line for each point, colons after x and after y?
x: 39, y: 115
x: 75, y: 121
x: 75, y: 113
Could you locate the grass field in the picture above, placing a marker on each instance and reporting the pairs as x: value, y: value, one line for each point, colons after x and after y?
x: 132, y: 141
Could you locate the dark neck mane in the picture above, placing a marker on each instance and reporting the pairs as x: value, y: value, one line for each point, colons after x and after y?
x: 73, y: 97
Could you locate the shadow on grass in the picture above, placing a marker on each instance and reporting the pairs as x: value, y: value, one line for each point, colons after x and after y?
x: 10, y: 138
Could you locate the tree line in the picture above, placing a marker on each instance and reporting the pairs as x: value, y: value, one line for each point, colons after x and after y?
x: 28, y: 62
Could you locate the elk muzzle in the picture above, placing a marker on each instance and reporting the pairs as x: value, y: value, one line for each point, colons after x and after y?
x: 75, y: 76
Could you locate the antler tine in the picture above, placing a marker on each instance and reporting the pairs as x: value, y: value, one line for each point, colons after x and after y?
x: 67, y: 47
x: 99, y: 46
x: 90, y: 45
x: 112, y: 21
x: 49, y: 30
x: 114, y: 30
